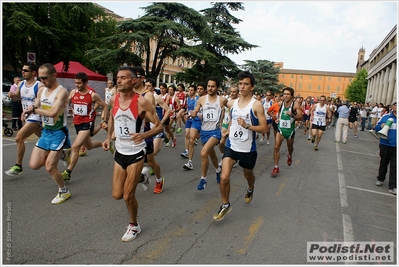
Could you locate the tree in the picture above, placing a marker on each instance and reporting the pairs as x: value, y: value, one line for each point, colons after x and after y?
x: 265, y: 74
x: 54, y: 31
x: 169, y: 28
x: 357, y: 90
x: 212, y: 53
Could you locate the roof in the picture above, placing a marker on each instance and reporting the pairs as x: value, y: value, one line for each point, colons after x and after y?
x: 75, y: 67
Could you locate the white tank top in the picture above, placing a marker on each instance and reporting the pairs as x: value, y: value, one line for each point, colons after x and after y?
x: 319, y: 115
x: 28, y: 98
x: 47, y: 102
x: 241, y: 139
x: 211, y: 115
x: 266, y: 106
x: 126, y: 122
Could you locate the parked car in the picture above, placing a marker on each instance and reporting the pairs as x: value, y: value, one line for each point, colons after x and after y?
x: 6, y: 100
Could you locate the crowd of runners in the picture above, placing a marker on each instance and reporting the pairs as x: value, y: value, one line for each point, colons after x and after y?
x: 139, y: 120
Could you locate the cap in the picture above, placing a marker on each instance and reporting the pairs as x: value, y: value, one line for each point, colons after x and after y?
x: 344, y: 102
x: 393, y: 102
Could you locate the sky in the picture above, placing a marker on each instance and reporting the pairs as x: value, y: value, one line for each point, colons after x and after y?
x: 304, y: 35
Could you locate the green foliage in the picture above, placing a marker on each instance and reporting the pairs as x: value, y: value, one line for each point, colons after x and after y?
x: 54, y: 31
x: 265, y: 74
x: 212, y: 52
x: 357, y: 90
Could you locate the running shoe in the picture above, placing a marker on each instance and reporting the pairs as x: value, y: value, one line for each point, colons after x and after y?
x: 166, y: 140
x: 218, y: 176
x: 196, y: 141
x: 178, y: 130
x: 275, y: 171
x: 82, y: 152
x: 14, y: 171
x: 61, y: 197
x: 248, y: 196
x: 309, y: 138
x: 262, y: 139
x: 379, y: 183
x: 220, y: 214
x: 184, y: 154
x: 145, y: 177
x: 167, y: 144
x: 174, y: 142
x: 66, y: 156
x: 335, y: 141
x: 392, y: 191
x: 355, y: 136
x: 159, y: 186
x: 289, y: 160
x: 151, y: 171
x: 202, y: 184
x: 313, y: 139
x: 315, y: 148
x: 66, y: 176
x: 267, y: 142
x: 188, y: 166
x: 131, y: 232
x: 343, y: 142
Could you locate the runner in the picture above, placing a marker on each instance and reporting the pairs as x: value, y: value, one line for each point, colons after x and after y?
x: 28, y: 90
x: 210, y: 129
x: 290, y: 111
x: 52, y: 104
x: 83, y: 100
x: 320, y: 113
x: 128, y: 112
x: 247, y: 118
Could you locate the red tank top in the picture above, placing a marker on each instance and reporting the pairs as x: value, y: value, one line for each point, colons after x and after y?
x: 82, y: 107
x: 133, y: 106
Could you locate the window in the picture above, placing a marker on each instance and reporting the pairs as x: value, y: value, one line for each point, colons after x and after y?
x: 329, y: 78
x: 291, y: 85
x: 318, y: 87
x: 337, y: 88
x: 309, y: 86
x: 301, y: 77
x: 350, y: 80
x: 310, y: 77
x: 300, y: 86
x: 292, y: 76
x: 328, y: 88
x: 339, y: 79
x: 282, y: 76
x: 319, y: 78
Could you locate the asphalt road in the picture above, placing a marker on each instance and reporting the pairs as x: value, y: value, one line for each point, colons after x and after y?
x: 325, y: 196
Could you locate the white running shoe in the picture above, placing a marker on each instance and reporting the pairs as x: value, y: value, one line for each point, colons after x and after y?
x: 131, y: 233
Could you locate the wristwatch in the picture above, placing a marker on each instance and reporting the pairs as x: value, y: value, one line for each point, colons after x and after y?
x: 246, y: 127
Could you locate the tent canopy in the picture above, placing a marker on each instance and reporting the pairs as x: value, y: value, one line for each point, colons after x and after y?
x: 67, y: 78
x: 75, y: 67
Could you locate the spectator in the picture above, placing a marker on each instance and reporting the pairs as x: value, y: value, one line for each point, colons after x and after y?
x: 388, y: 151
x: 363, y: 116
x: 16, y: 105
x: 342, y: 123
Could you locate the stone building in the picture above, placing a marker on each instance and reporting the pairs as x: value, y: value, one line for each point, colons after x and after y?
x: 382, y: 70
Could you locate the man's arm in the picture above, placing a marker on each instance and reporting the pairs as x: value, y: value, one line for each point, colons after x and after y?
x: 259, y: 112
x: 165, y: 107
x: 97, y: 99
x: 197, y: 107
x: 61, y: 102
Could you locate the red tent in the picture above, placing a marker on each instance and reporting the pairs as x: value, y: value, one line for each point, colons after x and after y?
x: 67, y: 78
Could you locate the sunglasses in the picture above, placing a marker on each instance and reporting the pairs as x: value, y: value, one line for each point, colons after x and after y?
x: 25, y: 70
x: 43, y: 77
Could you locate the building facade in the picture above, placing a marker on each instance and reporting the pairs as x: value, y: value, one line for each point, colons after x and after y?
x: 382, y: 71
x: 316, y: 83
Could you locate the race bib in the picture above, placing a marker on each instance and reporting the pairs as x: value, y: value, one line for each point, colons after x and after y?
x: 285, y: 124
x: 307, y: 112
x: 47, y: 120
x: 80, y: 110
x: 210, y: 115
x: 26, y: 104
x: 238, y: 133
x: 123, y: 129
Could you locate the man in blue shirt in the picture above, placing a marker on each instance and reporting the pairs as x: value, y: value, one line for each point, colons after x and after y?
x: 388, y: 150
x: 342, y: 123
